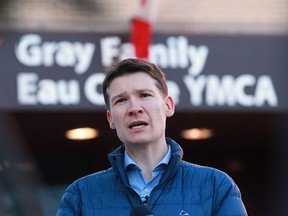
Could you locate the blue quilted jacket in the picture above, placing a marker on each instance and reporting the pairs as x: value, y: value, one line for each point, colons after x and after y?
x: 184, y: 189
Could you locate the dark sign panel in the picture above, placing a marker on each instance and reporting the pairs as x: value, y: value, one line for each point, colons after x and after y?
x: 54, y: 71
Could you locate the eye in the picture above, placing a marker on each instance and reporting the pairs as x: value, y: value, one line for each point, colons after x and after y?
x: 121, y: 100
x: 143, y: 95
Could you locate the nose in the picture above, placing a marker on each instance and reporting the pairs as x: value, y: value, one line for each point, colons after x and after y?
x: 134, y: 107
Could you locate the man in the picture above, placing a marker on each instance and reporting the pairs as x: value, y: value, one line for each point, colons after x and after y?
x: 148, y: 170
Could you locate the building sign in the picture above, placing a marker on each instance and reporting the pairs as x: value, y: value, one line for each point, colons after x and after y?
x: 205, y: 73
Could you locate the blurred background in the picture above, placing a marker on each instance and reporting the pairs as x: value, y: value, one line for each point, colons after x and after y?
x: 226, y: 63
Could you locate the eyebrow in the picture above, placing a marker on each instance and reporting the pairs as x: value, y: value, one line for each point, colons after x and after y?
x: 116, y: 97
x: 122, y: 94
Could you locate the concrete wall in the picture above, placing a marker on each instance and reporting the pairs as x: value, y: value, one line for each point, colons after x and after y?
x: 185, y: 16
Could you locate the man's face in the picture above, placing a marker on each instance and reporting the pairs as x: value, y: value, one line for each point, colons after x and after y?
x: 138, y: 109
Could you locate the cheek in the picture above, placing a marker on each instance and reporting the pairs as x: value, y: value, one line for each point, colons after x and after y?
x: 159, y: 112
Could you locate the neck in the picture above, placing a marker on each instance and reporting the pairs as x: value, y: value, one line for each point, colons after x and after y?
x: 147, y: 157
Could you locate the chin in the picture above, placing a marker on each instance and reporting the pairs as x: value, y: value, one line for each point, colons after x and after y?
x: 138, y: 140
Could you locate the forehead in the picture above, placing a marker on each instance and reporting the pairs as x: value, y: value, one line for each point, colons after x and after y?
x: 135, y: 80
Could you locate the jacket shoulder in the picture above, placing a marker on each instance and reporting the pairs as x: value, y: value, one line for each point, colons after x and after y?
x: 213, y: 183
x: 87, y: 191
x: 204, y: 173
x: 94, y: 181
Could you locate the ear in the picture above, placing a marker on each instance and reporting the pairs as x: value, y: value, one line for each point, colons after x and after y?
x: 110, y: 120
x: 170, y: 106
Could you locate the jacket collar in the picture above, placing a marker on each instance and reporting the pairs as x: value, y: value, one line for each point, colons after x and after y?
x: 116, y: 159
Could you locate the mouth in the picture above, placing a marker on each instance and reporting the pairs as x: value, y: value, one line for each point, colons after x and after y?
x: 138, y: 124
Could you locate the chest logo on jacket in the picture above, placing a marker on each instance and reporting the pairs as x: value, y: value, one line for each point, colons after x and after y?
x: 183, y: 213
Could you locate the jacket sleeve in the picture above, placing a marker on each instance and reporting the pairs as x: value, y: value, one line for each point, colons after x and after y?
x: 227, y: 199
x: 70, y: 203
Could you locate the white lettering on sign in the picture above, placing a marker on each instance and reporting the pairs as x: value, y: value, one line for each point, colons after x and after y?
x: 213, y: 90
x: 26, y: 88
x: 109, y: 47
x: 91, y: 89
x: 210, y: 90
x: 174, y: 91
x: 32, y: 91
x: 177, y: 53
x: 32, y: 51
x: 112, y: 48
